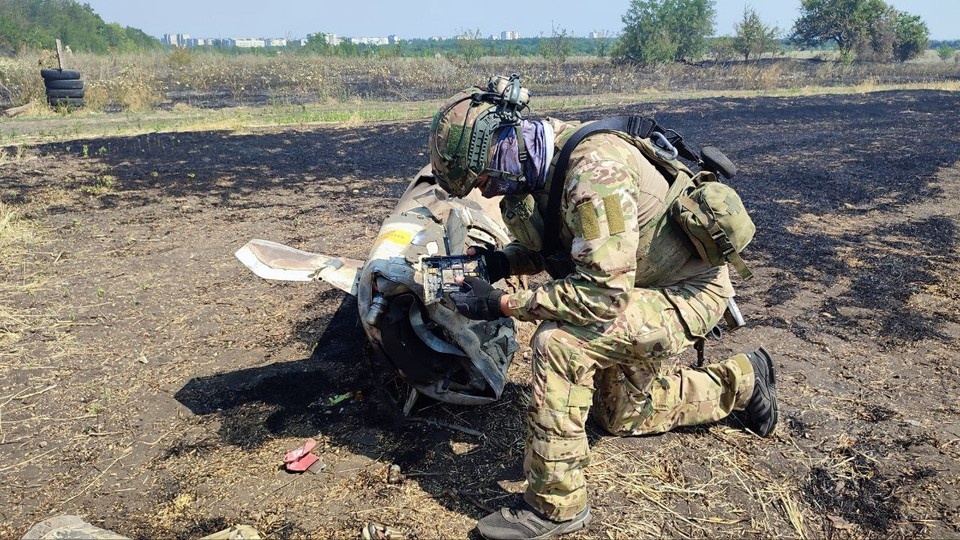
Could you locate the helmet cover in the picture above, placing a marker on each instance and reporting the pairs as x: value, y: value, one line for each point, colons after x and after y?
x: 462, y: 130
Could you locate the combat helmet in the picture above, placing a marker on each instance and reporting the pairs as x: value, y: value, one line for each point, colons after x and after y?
x: 463, y: 128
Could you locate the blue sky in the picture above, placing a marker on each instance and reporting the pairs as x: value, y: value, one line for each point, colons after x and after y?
x: 425, y: 18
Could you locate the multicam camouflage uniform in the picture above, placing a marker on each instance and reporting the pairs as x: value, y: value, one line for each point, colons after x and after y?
x: 614, y: 328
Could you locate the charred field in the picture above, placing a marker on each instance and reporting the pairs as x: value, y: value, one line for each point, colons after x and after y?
x: 150, y: 384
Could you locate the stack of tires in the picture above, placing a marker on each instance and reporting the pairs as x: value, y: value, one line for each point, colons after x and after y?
x: 64, y: 88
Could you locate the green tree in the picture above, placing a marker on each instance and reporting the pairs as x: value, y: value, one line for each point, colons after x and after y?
x: 37, y: 24
x: 347, y: 49
x: 843, y: 22
x: 721, y: 49
x: 878, y: 37
x: 946, y: 52
x: 752, y: 37
x: 317, y: 43
x: 602, y: 43
x: 556, y: 48
x: 870, y: 28
x: 470, y: 45
x: 665, y: 30
x: 912, y: 37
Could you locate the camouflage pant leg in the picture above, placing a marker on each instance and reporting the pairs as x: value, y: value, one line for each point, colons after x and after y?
x: 557, y: 450
x: 569, y: 362
x: 640, y: 395
x: 641, y: 402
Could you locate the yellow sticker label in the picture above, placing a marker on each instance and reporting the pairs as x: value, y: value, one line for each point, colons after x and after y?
x: 396, y: 237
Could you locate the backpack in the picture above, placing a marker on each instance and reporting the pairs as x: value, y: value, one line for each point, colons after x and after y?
x: 710, y: 213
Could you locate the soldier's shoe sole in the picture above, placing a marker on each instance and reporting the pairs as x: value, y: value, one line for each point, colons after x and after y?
x: 576, y: 524
x: 499, y: 526
x: 769, y: 392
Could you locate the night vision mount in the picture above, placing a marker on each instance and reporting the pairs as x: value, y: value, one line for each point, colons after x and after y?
x: 510, y: 99
x: 507, y: 94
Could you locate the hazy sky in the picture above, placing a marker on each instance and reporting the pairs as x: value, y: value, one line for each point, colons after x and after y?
x: 425, y: 18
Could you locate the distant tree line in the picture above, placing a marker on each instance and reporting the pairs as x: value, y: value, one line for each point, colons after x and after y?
x: 657, y: 31
x: 37, y: 24
x: 952, y: 43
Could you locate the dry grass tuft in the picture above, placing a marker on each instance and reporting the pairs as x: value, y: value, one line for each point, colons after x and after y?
x: 18, y: 237
x: 14, y: 231
x: 687, y: 502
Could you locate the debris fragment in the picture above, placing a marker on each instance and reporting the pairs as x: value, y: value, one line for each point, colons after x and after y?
x: 237, y: 532
x: 336, y: 400
x: 69, y: 527
x: 377, y: 531
x: 394, y: 476
x: 300, y: 459
x: 317, y: 467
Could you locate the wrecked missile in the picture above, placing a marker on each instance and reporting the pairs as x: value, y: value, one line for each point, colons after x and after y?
x: 437, y: 351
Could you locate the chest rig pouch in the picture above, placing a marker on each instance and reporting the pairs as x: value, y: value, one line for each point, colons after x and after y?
x: 525, y: 224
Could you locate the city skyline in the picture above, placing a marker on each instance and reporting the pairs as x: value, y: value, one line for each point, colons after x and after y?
x: 185, y: 39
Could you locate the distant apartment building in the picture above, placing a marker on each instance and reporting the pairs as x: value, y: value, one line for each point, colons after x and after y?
x: 249, y: 43
x: 509, y: 36
x: 332, y: 40
x: 369, y: 41
x: 184, y: 40
x: 177, y: 40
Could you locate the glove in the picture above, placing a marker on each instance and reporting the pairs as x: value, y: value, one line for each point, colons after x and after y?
x: 498, y: 266
x: 478, y: 300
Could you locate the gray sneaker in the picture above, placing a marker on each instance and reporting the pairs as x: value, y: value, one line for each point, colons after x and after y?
x: 524, y: 522
x: 761, y: 414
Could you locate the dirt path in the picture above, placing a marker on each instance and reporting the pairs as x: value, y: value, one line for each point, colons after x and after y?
x: 151, y: 384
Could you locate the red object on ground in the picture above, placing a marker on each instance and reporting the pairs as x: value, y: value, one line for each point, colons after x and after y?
x: 300, y: 459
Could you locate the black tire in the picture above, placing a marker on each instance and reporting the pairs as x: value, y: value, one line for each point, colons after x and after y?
x: 64, y: 94
x: 67, y: 103
x: 63, y: 84
x: 60, y: 74
x: 714, y: 160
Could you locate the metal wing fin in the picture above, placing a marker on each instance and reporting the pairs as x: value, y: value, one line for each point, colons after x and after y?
x: 278, y: 262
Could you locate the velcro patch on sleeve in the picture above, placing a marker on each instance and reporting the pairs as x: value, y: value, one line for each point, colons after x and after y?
x: 611, y: 204
x: 589, y: 221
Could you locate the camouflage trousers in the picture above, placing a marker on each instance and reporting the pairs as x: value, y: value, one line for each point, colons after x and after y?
x: 627, y: 370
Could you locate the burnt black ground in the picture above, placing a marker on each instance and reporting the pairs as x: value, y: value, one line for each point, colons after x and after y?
x: 855, y: 198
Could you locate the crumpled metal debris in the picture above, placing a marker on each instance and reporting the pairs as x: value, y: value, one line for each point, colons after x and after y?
x: 237, y: 532
x: 74, y: 528
x: 376, y: 531
x: 69, y: 528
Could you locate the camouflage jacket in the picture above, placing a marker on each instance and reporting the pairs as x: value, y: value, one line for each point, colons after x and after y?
x: 616, y: 227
